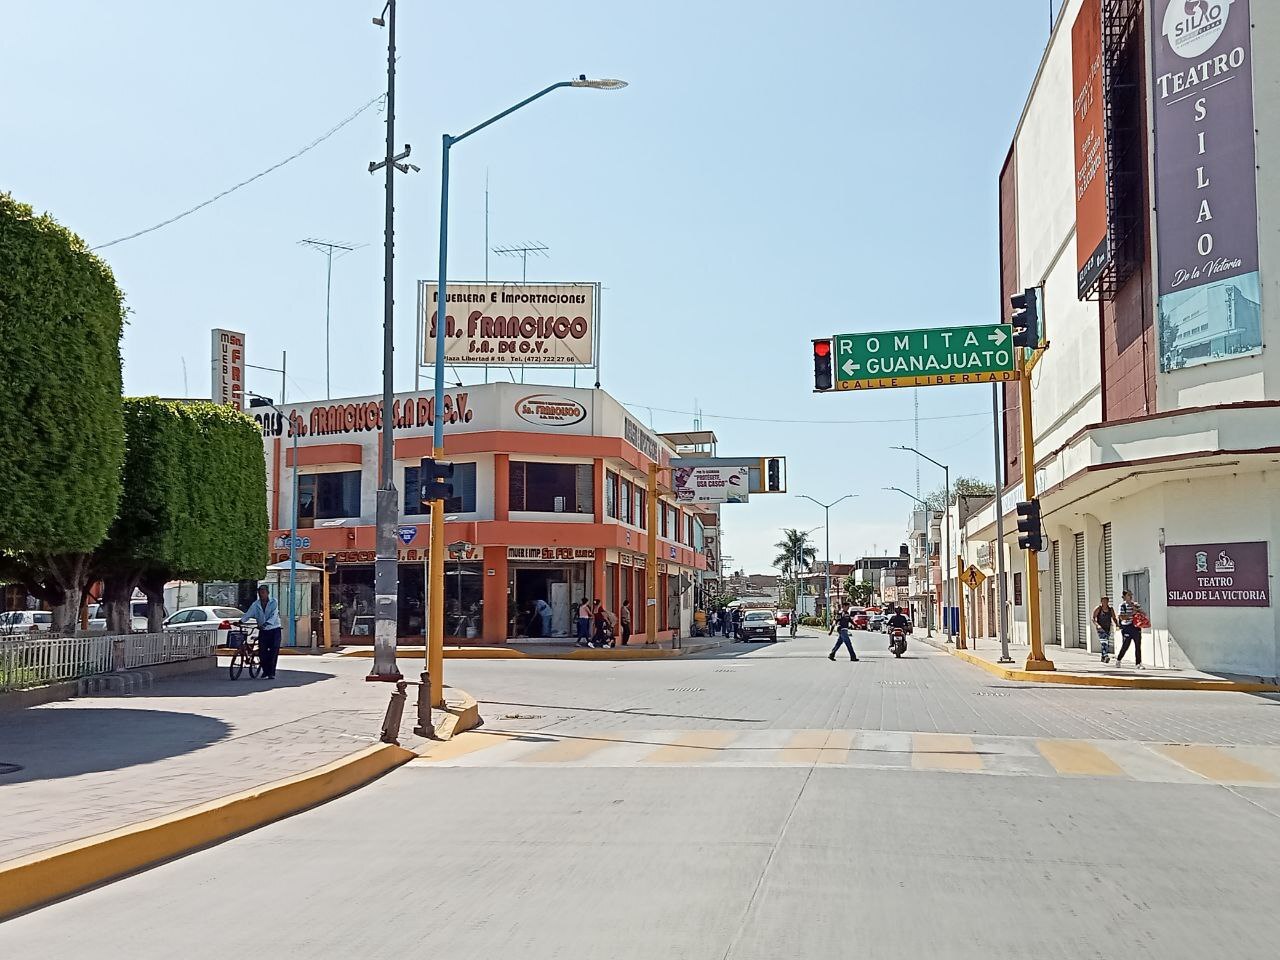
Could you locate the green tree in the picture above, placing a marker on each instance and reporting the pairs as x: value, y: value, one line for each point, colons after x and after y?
x: 856, y: 592
x: 795, y: 553
x: 960, y: 487
x: 61, y: 316
x: 194, y: 505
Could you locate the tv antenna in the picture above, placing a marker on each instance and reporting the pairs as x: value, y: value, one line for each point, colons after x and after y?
x: 522, y: 250
x: 327, y: 247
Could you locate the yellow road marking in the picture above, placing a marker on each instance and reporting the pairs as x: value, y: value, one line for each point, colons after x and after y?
x: 943, y: 751
x: 1215, y: 764
x: 837, y: 748
x: 805, y: 746
x: 1079, y: 758
x: 461, y: 745
x: 568, y: 749
x: 692, y: 746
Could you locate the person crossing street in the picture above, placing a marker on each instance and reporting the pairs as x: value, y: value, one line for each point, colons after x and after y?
x: 843, y: 623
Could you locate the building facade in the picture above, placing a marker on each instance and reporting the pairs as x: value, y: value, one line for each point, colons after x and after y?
x: 550, y: 502
x: 1157, y: 404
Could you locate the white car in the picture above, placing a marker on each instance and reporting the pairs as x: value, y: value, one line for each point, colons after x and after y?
x: 137, y: 608
x: 222, y: 619
x: 25, y: 621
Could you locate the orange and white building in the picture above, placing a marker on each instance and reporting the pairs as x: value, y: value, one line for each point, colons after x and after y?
x: 550, y: 502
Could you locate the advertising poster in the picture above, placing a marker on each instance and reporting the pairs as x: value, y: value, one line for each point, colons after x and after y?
x: 1209, y: 292
x: 228, y: 368
x: 710, y: 484
x: 1217, y: 575
x: 510, y: 324
x: 1093, y: 244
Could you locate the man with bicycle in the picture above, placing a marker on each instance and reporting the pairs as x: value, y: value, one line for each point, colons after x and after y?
x: 265, y: 612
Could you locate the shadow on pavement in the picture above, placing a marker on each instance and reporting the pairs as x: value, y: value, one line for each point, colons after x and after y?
x: 50, y: 744
x: 219, y: 683
x: 636, y: 712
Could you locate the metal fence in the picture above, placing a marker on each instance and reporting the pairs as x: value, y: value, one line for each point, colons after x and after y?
x: 39, y: 659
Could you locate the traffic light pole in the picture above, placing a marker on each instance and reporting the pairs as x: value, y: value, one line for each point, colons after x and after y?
x: 1036, y: 659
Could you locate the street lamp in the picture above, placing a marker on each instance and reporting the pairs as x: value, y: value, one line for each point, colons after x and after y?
x: 257, y: 400
x: 928, y: 620
x: 435, y: 613
x: 826, y: 609
x: 947, y: 596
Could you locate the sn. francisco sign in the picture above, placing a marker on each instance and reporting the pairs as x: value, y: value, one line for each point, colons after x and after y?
x: 924, y: 358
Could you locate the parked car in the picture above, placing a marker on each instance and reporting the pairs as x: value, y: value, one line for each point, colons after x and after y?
x: 875, y: 620
x: 783, y: 618
x: 25, y: 621
x: 758, y: 625
x: 222, y: 619
x: 860, y: 619
x: 137, y: 609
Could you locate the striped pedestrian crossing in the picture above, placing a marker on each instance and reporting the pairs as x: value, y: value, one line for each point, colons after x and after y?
x: 1257, y: 766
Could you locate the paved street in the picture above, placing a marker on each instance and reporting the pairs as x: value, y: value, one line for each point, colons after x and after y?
x: 754, y: 803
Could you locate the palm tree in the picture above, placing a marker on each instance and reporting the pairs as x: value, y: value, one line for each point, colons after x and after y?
x: 795, y: 553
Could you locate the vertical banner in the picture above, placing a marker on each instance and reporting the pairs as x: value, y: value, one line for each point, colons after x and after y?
x: 1205, y: 184
x: 1093, y: 239
x: 228, y: 368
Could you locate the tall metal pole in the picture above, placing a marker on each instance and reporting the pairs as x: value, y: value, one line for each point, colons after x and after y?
x: 948, y: 598
x: 826, y: 606
x: 386, y: 586
x: 293, y: 544
x: 435, y: 559
x: 1002, y: 622
x: 328, y: 297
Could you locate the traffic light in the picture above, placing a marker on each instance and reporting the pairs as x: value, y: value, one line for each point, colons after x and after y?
x: 822, y: 365
x: 775, y: 476
x: 1032, y: 534
x: 1026, y: 318
x: 435, y: 477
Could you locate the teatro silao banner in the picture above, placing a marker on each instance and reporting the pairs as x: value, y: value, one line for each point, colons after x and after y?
x: 1209, y: 290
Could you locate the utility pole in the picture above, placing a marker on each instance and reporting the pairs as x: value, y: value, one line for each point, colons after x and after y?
x: 327, y: 247
x: 1002, y: 622
x: 386, y: 574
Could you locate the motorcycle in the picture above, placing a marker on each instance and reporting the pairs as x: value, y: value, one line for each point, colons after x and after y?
x: 899, y: 642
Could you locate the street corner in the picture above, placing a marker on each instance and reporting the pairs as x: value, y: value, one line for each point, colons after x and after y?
x: 462, y: 713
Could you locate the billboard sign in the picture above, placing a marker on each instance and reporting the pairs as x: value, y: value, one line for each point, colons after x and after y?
x: 510, y: 324
x: 228, y: 368
x: 924, y: 358
x: 727, y: 484
x: 1209, y: 289
x: 1093, y: 244
x: 1217, y: 575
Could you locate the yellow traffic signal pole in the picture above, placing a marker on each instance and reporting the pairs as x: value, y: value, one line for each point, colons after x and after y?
x: 1036, y: 659
x: 962, y: 640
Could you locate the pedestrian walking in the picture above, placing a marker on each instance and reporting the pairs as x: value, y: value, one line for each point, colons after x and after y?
x: 542, y: 610
x: 624, y: 620
x: 599, y: 639
x: 724, y: 620
x: 1131, y: 616
x: 584, y: 623
x: 843, y: 623
x: 1104, y: 618
x: 265, y: 612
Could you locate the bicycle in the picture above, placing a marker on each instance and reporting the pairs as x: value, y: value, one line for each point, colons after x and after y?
x: 246, y: 654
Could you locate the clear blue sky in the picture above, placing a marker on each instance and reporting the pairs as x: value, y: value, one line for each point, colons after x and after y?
x: 775, y: 172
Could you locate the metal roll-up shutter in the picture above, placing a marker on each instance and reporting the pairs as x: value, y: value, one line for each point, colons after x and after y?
x: 1082, y: 594
x: 1108, y: 575
x: 1057, y: 592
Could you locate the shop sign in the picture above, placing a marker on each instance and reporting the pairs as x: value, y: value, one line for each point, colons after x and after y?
x: 1209, y: 286
x: 641, y: 563
x: 511, y: 324
x: 1217, y: 575
x: 550, y: 410
x: 1093, y: 246
x: 406, y: 534
x: 551, y: 553
x: 624, y: 559
x: 635, y: 435
x: 299, y: 543
x: 727, y: 484
x: 412, y: 555
x: 228, y: 368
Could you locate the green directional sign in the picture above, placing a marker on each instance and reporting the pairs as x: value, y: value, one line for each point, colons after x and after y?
x: 924, y: 358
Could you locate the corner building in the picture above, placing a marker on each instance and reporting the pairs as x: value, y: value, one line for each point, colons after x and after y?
x: 550, y: 502
x: 1142, y: 193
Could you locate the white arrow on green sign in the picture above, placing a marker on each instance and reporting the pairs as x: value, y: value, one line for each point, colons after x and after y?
x: 924, y: 358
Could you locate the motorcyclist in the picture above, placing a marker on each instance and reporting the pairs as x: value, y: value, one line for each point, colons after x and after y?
x: 896, y: 619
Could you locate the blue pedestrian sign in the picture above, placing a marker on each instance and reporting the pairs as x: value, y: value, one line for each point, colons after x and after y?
x: 406, y: 534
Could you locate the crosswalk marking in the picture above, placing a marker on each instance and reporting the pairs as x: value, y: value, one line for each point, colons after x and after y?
x: 1214, y: 764
x: 944, y: 751
x: 1078, y: 758
x: 693, y: 746
x: 863, y: 750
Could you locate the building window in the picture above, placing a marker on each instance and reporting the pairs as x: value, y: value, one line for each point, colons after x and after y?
x: 688, y: 530
x: 642, y: 508
x: 611, y: 494
x: 552, y: 487
x: 625, y: 499
x: 464, y: 491
x: 328, y: 496
x: 665, y: 514
x: 1017, y: 589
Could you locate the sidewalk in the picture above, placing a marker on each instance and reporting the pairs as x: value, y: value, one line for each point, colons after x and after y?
x: 79, y: 768
x: 1078, y: 667
x: 558, y: 649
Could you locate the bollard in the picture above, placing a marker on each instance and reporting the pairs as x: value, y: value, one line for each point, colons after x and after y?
x: 395, y: 712
x: 425, y: 727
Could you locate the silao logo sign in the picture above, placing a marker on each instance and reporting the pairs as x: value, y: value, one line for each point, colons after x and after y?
x: 548, y: 410
x: 1193, y: 26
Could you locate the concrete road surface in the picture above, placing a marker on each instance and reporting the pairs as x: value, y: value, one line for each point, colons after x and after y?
x: 752, y: 804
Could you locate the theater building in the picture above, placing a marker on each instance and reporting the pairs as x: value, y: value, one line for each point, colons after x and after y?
x: 550, y: 502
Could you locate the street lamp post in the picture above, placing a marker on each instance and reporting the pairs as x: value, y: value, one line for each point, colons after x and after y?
x: 435, y: 597
x: 928, y: 620
x: 948, y: 596
x: 293, y: 527
x: 826, y: 608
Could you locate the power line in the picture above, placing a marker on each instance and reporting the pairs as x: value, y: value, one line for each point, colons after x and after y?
x: 244, y: 183
x: 725, y: 416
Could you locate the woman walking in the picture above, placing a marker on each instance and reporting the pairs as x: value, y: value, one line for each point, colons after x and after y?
x: 1130, y: 629
x: 1104, y: 616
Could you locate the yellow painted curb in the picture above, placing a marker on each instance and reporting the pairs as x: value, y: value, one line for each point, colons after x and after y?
x: 462, y: 714
x: 48, y: 875
x: 1104, y: 680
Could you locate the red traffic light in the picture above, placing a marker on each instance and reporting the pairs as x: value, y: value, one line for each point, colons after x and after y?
x: 821, y: 348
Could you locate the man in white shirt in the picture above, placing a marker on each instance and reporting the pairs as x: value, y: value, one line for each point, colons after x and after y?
x: 265, y: 611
